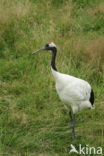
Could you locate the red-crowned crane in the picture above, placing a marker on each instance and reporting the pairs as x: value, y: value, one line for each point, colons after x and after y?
x: 73, y: 92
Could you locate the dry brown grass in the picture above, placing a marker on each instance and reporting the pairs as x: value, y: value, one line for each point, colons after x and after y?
x: 96, y: 48
x: 99, y: 10
x: 95, y: 52
x: 17, y: 114
x: 91, y: 52
x: 9, y: 11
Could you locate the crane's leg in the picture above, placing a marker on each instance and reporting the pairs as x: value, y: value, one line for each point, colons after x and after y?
x: 72, y: 123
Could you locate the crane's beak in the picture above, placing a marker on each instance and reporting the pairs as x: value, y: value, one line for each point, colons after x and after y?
x: 40, y: 50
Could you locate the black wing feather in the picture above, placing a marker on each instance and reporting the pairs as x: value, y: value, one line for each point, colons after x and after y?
x: 91, y: 97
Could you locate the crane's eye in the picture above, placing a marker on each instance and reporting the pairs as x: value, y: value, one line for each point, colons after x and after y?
x: 47, y: 45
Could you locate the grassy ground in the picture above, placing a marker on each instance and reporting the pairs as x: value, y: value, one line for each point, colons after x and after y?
x: 33, y: 121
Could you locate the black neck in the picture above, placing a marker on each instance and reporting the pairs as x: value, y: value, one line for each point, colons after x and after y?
x: 54, y: 51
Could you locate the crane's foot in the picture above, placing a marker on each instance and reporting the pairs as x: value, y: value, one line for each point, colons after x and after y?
x: 72, y: 136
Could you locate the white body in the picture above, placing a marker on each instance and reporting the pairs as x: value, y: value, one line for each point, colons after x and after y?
x: 73, y: 92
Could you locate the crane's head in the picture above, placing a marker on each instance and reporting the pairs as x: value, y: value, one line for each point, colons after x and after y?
x: 48, y: 46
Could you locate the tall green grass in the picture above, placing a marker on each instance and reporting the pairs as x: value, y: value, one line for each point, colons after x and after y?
x: 33, y: 120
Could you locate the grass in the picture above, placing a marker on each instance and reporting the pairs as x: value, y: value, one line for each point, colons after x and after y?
x: 33, y: 121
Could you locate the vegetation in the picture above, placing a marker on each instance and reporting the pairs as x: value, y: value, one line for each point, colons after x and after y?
x: 33, y: 120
